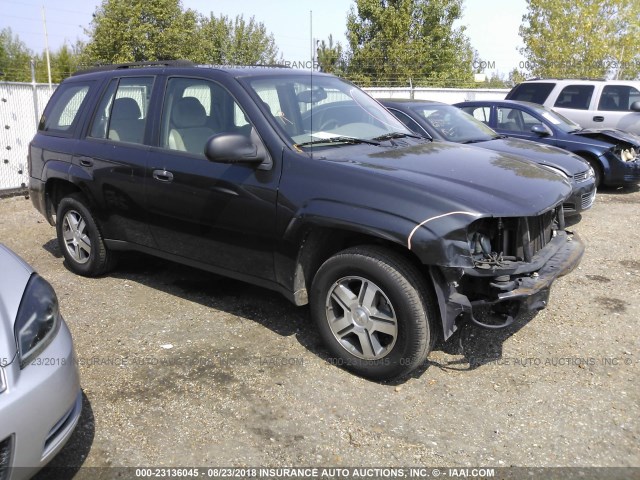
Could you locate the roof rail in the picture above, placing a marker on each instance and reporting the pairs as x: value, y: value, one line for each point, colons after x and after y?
x: 125, y: 66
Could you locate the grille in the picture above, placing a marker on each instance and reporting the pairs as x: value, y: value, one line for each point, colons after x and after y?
x: 582, y: 176
x: 6, y: 446
x: 523, y: 237
x: 540, y: 233
x: 588, y: 199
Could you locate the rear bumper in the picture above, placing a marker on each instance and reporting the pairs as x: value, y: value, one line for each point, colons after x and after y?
x: 38, y: 196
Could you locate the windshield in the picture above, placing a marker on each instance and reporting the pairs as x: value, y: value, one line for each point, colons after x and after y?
x: 559, y: 121
x: 317, y: 109
x: 453, y: 124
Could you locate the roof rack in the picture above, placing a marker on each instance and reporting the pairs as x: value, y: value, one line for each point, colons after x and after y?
x: 125, y: 66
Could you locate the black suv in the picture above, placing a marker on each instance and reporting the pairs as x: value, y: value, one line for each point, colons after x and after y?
x: 300, y: 182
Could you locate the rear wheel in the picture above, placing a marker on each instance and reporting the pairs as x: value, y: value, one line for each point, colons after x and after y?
x: 80, y: 238
x: 373, y: 312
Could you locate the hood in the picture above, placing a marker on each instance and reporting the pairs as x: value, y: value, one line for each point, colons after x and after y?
x: 610, y: 135
x: 458, y: 177
x: 569, y: 163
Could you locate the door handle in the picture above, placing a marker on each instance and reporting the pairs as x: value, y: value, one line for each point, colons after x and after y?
x: 85, y: 162
x: 598, y: 119
x: 163, y: 175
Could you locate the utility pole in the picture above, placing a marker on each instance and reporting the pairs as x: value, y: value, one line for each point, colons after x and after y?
x: 46, y: 46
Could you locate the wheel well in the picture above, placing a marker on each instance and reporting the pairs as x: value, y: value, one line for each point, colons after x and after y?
x: 593, y: 161
x: 319, y: 244
x: 56, y: 190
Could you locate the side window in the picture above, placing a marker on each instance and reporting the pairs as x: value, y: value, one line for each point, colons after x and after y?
x: 531, y: 92
x: 618, y: 98
x: 196, y: 109
x: 479, y: 113
x: 122, y: 112
x: 514, y: 120
x: 62, y: 114
x: 575, y: 96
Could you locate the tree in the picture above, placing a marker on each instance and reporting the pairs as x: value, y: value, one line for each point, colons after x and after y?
x: 235, y: 42
x: 151, y: 30
x: 401, y: 41
x: 329, y: 56
x: 140, y: 30
x: 15, y: 57
x: 592, y: 38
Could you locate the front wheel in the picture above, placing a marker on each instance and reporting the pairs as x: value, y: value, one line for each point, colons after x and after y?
x: 373, y: 312
x: 80, y: 238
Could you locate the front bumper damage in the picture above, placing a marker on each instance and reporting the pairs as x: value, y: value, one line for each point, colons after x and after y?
x: 507, y: 291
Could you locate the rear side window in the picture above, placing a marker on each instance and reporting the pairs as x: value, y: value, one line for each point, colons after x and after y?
x: 618, y: 98
x: 531, y: 92
x: 62, y: 113
x: 575, y: 96
x: 122, y: 112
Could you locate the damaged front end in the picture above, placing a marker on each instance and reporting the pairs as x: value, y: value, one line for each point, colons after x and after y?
x: 507, y: 270
x: 622, y: 158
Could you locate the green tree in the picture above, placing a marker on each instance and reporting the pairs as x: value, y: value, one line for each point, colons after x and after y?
x: 401, y: 41
x: 592, y: 38
x: 15, y: 58
x: 140, y: 30
x: 329, y: 56
x: 234, y: 42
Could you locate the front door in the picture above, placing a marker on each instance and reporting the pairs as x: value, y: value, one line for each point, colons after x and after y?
x: 219, y: 214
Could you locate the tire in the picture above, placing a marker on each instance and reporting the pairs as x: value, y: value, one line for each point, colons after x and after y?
x: 80, y: 239
x: 597, y: 168
x: 374, y: 312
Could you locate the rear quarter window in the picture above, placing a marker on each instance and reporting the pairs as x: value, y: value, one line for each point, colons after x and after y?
x: 63, y: 111
x: 531, y: 92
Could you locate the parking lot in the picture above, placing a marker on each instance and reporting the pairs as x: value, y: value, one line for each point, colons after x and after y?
x: 181, y: 367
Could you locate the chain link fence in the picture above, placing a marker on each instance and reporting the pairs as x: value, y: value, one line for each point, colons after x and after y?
x: 21, y: 105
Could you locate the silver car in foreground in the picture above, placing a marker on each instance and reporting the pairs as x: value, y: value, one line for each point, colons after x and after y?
x: 40, y: 396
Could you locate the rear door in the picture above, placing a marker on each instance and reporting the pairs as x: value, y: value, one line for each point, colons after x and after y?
x: 111, y: 159
x: 222, y: 215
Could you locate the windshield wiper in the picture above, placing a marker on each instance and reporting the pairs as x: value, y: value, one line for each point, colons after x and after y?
x: 478, y: 140
x: 346, y: 140
x: 389, y: 136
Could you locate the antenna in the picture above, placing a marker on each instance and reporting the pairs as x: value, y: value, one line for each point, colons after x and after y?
x: 311, y: 75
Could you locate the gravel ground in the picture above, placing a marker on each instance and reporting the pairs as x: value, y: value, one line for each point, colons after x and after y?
x: 181, y: 367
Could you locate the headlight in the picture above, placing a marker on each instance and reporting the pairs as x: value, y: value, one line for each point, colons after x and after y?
x: 38, y: 319
x: 555, y: 170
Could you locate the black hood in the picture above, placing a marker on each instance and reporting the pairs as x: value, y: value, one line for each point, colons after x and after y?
x: 469, y: 178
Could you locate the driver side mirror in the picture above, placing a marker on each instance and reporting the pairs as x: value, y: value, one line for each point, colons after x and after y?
x: 635, y: 107
x: 542, y: 130
x: 236, y: 148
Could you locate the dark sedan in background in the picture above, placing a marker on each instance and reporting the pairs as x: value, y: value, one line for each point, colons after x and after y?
x: 613, y: 154
x: 443, y: 122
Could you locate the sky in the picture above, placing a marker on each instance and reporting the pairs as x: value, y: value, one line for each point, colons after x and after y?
x: 492, y: 26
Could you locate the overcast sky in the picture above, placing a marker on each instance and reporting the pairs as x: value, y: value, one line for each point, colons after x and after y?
x: 491, y: 25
